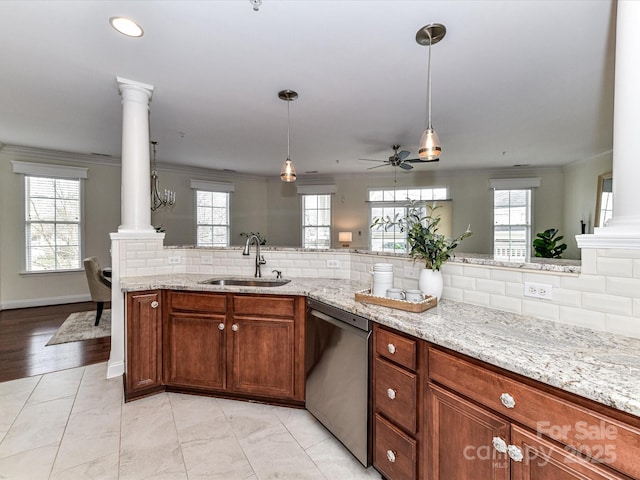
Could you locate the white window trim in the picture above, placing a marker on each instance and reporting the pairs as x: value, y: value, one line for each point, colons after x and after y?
x: 316, y: 189
x: 529, y: 226
x: 514, y: 183
x: 206, y: 186
x: 302, y: 211
x: 49, y: 170
x: 209, y: 186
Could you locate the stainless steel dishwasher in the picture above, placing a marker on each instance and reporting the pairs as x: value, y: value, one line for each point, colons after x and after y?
x: 337, y: 375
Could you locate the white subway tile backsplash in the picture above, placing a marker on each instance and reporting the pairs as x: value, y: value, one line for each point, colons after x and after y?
x: 621, y: 253
x: 505, y: 275
x: 507, y: 304
x: 452, y: 293
x: 614, y: 267
x: 636, y: 307
x: 582, y: 317
x: 548, y: 278
x: 476, y: 271
x: 636, y: 268
x: 490, y: 286
x: 476, y: 298
x: 541, y: 309
x: 626, y: 287
x: 563, y: 296
x: 584, y: 283
x: 588, y: 258
x: 465, y: 283
x: 622, y: 324
x: 600, y: 302
x: 452, y: 269
x: 514, y: 290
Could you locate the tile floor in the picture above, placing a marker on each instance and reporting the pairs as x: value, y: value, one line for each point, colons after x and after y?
x: 73, y: 424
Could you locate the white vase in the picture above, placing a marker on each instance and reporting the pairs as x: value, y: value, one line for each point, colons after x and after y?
x: 430, y: 282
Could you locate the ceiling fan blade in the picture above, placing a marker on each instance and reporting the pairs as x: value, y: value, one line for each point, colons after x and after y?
x: 405, y: 166
x: 377, y: 166
x: 372, y: 160
x: 419, y: 160
x: 403, y: 154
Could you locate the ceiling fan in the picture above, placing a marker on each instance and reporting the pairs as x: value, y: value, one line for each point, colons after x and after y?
x: 398, y: 159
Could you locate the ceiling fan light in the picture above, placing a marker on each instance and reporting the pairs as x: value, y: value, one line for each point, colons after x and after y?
x: 288, y: 172
x: 430, y: 147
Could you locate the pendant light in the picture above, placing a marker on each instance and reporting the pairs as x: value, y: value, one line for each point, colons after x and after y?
x: 288, y: 172
x: 430, y: 147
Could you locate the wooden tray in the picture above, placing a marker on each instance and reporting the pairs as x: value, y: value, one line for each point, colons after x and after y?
x: 365, y: 296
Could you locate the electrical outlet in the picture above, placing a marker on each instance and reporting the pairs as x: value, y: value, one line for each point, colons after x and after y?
x: 174, y: 260
x: 411, y: 272
x: 206, y: 260
x: 333, y: 263
x: 538, y: 290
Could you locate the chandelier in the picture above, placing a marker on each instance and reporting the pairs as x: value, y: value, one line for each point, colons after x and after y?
x: 158, y: 200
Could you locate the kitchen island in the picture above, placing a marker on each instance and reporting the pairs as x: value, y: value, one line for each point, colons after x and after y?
x: 595, y: 365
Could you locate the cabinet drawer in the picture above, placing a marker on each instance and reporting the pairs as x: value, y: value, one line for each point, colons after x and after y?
x: 396, y: 348
x: 395, y: 391
x: 198, y: 302
x: 394, y: 453
x: 264, y: 306
x: 571, y: 424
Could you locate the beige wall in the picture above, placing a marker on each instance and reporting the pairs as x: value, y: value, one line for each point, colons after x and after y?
x: 272, y: 208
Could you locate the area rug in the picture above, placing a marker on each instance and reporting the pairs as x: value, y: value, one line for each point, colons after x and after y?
x: 79, y: 326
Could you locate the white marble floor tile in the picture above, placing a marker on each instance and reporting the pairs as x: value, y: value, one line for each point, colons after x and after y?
x: 34, y: 464
x: 218, y: 457
x: 106, y: 394
x: 54, y: 385
x: 13, y: 396
x: 247, y: 418
x: 197, y: 418
x: 302, y: 425
x: 149, y: 445
x: 103, y: 468
x: 275, y: 454
x: 90, y: 435
x: 37, y: 425
x: 335, y: 461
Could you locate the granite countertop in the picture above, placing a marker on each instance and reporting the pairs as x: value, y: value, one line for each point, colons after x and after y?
x: 600, y: 366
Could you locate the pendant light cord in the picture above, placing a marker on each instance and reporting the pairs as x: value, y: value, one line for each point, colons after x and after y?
x: 429, y: 79
x: 288, y: 129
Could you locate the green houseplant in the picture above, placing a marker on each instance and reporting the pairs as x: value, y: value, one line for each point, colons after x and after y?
x: 546, y: 244
x: 425, y: 243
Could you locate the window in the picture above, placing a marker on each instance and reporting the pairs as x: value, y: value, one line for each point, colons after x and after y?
x: 52, y: 224
x: 316, y: 221
x: 392, y: 202
x: 212, y: 219
x: 511, y: 224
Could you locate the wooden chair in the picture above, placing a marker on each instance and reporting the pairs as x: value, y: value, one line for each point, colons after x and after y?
x: 99, y: 286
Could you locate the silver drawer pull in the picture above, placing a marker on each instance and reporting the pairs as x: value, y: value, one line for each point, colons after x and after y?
x: 221, y: 326
x: 499, y: 444
x: 392, y: 348
x: 507, y: 400
x: 154, y: 304
x: 514, y: 453
x: 391, y: 456
x: 391, y: 393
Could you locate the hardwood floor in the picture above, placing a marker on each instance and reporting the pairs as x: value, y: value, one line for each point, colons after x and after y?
x: 24, y: 333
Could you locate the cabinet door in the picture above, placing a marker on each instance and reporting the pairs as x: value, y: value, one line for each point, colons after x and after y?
x: 195, y: 354
x: 544, y: 460
x: 461, y: 439
x: 263, y: 356
x: 144, y: 347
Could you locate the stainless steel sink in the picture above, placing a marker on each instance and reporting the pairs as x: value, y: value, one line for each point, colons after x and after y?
x: 247, y: 283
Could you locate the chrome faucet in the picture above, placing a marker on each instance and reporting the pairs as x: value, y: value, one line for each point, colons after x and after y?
x: 259, y: 258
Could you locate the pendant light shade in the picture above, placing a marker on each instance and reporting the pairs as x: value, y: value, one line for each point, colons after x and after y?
x: 430, y: 147
x: 288, y: 172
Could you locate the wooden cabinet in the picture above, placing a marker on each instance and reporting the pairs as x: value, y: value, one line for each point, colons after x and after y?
x: 397, y: 422
x: 439, y: 415
x: 143, y: 344
x: 235, y: 344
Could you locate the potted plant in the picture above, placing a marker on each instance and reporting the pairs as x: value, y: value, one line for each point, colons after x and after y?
x: 425, y: 243
x: 546, y: 244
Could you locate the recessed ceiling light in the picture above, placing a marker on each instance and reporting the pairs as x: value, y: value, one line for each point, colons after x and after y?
x: 126, y: 26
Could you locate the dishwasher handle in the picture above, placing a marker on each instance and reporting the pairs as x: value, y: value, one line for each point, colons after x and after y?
x: 340, y: 324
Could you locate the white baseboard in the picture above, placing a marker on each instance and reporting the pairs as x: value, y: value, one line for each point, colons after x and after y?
x: 115, y: 369
x: 43, y: 302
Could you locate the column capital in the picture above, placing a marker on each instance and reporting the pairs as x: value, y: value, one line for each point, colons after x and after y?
x: 126, y: 85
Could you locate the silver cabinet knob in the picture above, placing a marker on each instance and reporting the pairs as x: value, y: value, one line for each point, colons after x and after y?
x: 507, y: 400
x: 391, y: 393
x: 154, y: 304
x: 234, y: 327
x: 392, y: 348
x: 499, y: 444
x: 391, y: 456
x: 514, y: 453
x: 221, y: 326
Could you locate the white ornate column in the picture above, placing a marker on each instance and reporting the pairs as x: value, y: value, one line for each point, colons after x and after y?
x: 136, y: 169
x: 623, y: 230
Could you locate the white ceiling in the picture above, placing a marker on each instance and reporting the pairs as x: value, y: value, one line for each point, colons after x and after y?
x: 513, y: 82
